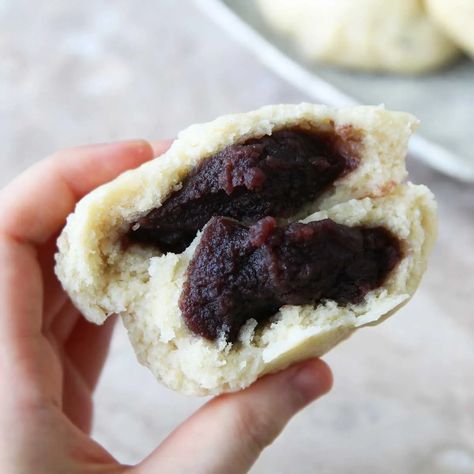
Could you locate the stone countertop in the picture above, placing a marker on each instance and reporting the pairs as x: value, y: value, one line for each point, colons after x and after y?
x: 81, y: 72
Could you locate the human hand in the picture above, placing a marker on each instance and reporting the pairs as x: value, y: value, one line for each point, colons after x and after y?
x: 51, y: 358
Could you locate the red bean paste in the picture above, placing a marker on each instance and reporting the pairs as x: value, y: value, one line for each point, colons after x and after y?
x: 246, y: 265
x: 270, y: 176
x: 240, y: 272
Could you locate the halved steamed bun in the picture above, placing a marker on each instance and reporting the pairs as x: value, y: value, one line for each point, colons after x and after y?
x: 105, y: 270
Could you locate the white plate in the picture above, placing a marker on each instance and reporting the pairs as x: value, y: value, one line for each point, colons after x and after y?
x: 443, y: 101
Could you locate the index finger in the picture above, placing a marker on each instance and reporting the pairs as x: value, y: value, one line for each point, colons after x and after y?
x: 35, y: 205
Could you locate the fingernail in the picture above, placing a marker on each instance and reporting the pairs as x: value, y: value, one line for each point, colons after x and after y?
x: 138, y: 147
x: 159, y: 147
x: 133, y: 143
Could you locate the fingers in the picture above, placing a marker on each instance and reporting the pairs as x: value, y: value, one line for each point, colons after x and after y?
x: 64, y: 323
x: 21, y: 291
x: 76, y: 397
x: 55, y: 298
x: 33, y: 209
x: 83, y: 358
x: 228, y: 433
x: 35, y: 205
x: 87, y: 348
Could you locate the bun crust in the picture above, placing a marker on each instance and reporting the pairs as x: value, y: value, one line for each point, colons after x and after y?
x: 102, y: 276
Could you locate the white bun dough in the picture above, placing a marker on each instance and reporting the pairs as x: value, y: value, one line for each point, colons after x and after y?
x: 104, y: 277
x: 456, y: 18
x: 375, y: 35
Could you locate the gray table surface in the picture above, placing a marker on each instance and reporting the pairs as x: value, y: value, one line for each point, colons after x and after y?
x: 80, y: 72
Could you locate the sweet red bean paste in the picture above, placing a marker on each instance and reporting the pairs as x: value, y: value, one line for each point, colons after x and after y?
x: 239, y: 272
x: 246, y: 265
x: 270, y: 176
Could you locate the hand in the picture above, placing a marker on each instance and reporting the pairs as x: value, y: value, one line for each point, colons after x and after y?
x: 51, y: 358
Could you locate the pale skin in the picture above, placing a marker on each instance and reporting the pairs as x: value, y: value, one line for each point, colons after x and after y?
x: 51, y: 357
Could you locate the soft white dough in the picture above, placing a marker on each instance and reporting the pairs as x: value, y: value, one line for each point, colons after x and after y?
x: 381, y: 35
x: 143, y: 286
x: 456, y: 18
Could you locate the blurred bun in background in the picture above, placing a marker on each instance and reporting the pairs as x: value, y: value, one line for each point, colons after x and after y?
x: 456, y: 18
x: 373, y: 35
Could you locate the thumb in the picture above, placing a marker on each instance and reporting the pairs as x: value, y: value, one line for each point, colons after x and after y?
x: 228, y: 433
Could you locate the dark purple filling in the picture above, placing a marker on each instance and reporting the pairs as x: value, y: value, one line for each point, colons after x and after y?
x: 239, y: 272
x: 270, y: 176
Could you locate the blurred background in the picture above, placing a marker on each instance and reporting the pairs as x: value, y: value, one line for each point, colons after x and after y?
x: 81, y: 72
